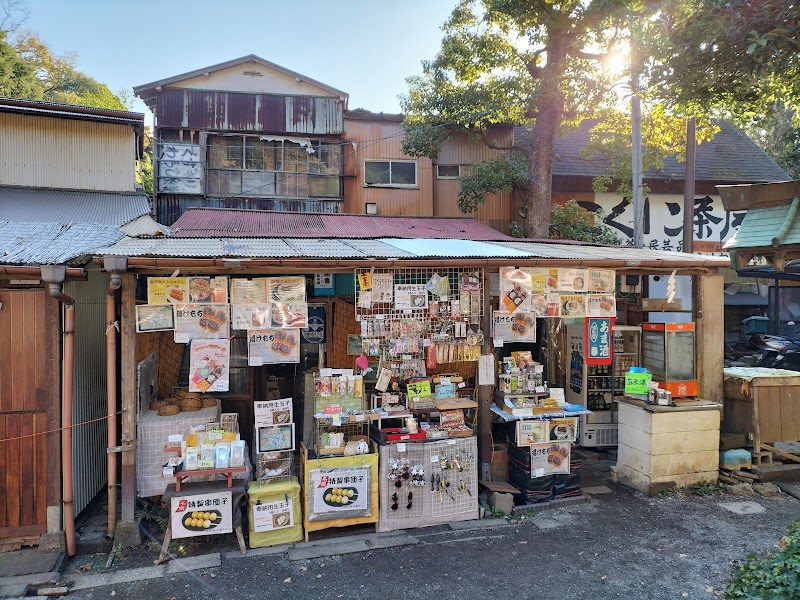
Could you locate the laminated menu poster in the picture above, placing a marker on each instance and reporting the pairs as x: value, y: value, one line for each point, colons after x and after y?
x: 335, y: 492
x: 286, y: 289
x: 515, y: 290
x: 550, y: 459
x: 383, y: 288
x: 601, y: 305
x: 248, y: 291
x: 209, y: 362
x: 289, y: 316
x: 531, y: 432
x: 562, y: 430
x: 201, y: 514
x: 519, y: 327
x: 572, y: 280
x: 573, y: 305
x: 208, y: 290
x: 250, y: 316
x: 601, y: 280
x: 273, y: 347
x: 277, y: 514
x: 201, y: 321
x: 273, y: 412
x: 167, y: 290
x: 410, y: 295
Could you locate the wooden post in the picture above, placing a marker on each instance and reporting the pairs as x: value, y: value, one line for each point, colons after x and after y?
x: 485, y: 391
x: 128, y: 391
x: 710, y: 340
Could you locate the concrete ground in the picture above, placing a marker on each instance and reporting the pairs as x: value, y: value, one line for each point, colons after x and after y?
x: 621, y: 544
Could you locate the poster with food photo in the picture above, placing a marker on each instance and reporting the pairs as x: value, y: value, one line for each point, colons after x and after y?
x: 208, y: 290
x: 572, y: 280
x: 250, y: 316
x: 601, y: 280
x: 284, y: 290
x: 289, y: 316
x: 515, y: 290
x: 339, y: 491
x: 539, y: 279
x: 553, y: 304
x: 201, y: 321
x: 273, y: 412
x: 538, y: 305
x: 410, y: 296
x: 167, y: 290
x: 209, y: 362
x: 158, y: 317
x: 276, y: 514
x: 273, y: 347
x: 201, y: 514
x: 248, y: 291
x: 601, y: 305
x: 562, y: 430
x: 531, y: 432
x: 550, y: 459
x: 573, y: 305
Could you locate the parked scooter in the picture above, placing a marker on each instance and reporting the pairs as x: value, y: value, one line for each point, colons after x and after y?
x: 777, y: 351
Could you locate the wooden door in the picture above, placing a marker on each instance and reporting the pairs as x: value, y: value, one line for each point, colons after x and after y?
x: 24, y: 399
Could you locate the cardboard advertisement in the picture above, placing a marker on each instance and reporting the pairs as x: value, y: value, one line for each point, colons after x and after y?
x: 383, y: 288
x: 517, y: 327
x: 531, y: 432
x: 288, y: 316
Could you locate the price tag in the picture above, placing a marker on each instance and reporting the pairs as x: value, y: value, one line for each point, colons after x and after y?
x: 462, y: 385
x: 408, y: 311
x: 434, y: 458
x: 445, y: 381
x: 380, y: 317
x: 358, y: 418
x: 337, y: 419
x: 497, y: 343
x: 401, y: 447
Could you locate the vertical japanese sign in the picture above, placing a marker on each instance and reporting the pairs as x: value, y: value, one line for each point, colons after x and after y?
x: 598, y: 340
x: 202, y: 514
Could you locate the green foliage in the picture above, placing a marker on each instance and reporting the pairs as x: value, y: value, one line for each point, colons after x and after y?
x: 489, y: 177
x: 775, y: 576
x: 17, y: 76
x: 144, y: 172
x: 569, y: 221
x: 778, y: 133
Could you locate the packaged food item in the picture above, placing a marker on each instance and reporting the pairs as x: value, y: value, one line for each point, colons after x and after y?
x: 207, y: 457
x: 192, y: 458
x: 237, y: 453
x: 222, y: 458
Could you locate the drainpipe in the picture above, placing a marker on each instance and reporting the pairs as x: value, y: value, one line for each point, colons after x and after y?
x: 53, y: 276
x: 115, y: 265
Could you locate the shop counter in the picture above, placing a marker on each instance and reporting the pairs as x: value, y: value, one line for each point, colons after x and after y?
x: 667, y: 447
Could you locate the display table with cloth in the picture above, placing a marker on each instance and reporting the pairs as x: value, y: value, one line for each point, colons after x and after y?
x: 197, y: 488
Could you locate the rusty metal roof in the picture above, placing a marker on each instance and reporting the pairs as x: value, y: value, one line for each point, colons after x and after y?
x: 221, y: 222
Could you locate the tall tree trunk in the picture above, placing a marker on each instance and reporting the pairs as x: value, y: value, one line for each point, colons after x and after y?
x: 549, y: 103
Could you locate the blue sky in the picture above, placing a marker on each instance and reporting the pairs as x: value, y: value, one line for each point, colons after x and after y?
x: 364, y: 47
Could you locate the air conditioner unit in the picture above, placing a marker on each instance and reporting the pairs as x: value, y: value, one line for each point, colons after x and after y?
x: 600, y: 435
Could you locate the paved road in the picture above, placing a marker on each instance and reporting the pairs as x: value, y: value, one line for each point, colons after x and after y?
x: 619, y: 545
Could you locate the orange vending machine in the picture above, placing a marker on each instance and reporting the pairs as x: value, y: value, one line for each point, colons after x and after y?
x: 668, y: 353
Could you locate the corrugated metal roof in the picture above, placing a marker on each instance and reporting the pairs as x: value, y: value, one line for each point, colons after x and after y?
x: 71, y: 111
x: 730, y: 156
x: 144, y: 226
x: 26, y: 243
x: 422, y: 248
x: 210, y: 222
x: 45, y: 205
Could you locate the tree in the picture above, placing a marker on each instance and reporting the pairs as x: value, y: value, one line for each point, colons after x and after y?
x: 144, y: 171
x: 570, y: 221
x: 17, y: 76
x: 778, y: 134
x: 516, y: 61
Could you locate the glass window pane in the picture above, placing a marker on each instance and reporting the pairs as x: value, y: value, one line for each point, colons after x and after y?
x: 404, y: 173
x: 258, y: 183
x: 376, y: 172
x: 447, y: 171
x: 323, y: 187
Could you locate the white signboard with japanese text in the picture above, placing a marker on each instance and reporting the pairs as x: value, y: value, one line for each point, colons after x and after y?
x: 202, y: 514
x: 337, y: 491
x: 268, y: 516
x: 273, y: 412
x: 273, y: 347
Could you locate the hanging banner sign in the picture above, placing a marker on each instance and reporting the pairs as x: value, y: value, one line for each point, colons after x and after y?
x: 598, y: 340
x: 273, y: 346
x: 202, y: 514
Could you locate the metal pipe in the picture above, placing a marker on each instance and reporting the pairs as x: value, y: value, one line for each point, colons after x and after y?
x: 67, y: 391
x: 15, y: 271
x: 111, y: 396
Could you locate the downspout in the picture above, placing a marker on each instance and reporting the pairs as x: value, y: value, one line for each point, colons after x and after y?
x: 53, y: 276
x: 111, y: 387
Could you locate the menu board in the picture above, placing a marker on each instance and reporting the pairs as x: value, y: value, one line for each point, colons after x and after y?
x: 167, y: 290
x: 248, y: 291
x: 250, y: 316
x: 209, y: 362
x: 206, y: 321
x: 273, y: 346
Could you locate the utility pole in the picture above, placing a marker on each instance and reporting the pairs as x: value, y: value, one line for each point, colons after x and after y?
x: 636, y: 159
x: 688, y: 187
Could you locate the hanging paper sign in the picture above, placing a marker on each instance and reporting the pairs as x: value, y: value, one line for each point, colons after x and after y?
x: 273, y: 346
x: 289, y: 316
x: 519, y: 327
x: 248, y: 291
x: 410, y: 295
x: 364, y: 281
x: 551, y: 280
x: 201, y: 514
x: 572, y: 280
x: 269, y: 516
x: 364, y: 299
x: 601, y: 280
x: 286, y: 289
x: 539, y: 305
x: 469, y: 283
x: 549, y: 459
x: 210, y: 362
x: 273, y: 412
x: 515, y: 292
x: 167, y: 290
x: 562, y: 430
x: 158, y: 317
x: 601, y: 305
x: 324, y: 284
x: 598, y: 340
x: 573, y: 305
x: 553, y: 305
x: 250, y: 316
x: 539, y: 280
x: 336, y: 491
x: 383, y: 288
x: 419, y: 389
x: 206, y: 321
x: 438, y: 285
x: 208, y: 290
x: 531, y: 432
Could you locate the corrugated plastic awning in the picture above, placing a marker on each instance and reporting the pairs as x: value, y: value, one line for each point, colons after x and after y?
x: 24, y: 243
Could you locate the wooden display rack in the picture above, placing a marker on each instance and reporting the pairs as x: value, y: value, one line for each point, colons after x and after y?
x: 370, y: 460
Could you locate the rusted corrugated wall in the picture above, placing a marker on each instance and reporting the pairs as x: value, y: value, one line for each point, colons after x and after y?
x: 234, y: 111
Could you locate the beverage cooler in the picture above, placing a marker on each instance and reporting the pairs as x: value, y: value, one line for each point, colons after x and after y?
x: 597, y: 386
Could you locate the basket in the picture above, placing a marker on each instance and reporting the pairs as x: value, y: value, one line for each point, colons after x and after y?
x: 274, y: 466
x: 209, y: 402
x: 156, y: 406
x: 168, y: 410
x: 191, y: 404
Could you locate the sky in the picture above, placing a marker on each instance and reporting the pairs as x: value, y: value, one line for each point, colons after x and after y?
x: 364, y: 47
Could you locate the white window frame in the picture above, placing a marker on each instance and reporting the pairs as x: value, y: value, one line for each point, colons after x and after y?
x: 460, y: 172
x: 391, y: 185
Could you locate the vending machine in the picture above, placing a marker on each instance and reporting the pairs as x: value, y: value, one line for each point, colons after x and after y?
x: 597, y: 386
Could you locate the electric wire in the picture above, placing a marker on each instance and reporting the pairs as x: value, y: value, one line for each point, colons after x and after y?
x: 73, y: 426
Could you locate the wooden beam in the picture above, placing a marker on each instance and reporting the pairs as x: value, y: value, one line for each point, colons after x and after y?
x: 128, y: 393
x: 710, y: 340
x: 781, y: 453
x: 485, y: 391
x: 743, y: 197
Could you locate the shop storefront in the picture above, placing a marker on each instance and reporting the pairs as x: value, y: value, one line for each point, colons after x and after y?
x: 367, y: 387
